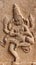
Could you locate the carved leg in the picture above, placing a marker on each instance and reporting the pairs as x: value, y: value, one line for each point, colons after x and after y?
x: 14, y: 52
x: 29, y: 40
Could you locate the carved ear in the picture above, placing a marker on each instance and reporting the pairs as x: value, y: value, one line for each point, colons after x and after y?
x: 17, y: 16
x: 31, y: 21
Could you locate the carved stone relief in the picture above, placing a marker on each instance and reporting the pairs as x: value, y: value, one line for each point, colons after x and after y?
x: 19, y: 32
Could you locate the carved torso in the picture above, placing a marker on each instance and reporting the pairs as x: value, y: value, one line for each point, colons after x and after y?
x: 19, y: 31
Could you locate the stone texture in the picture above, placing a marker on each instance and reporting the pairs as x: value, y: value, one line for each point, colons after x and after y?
x: 6, y: 9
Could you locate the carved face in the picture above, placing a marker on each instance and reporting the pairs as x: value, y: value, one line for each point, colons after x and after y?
x: 20, y: 29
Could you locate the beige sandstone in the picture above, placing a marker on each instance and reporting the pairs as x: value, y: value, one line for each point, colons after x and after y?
x: 17, y: 32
